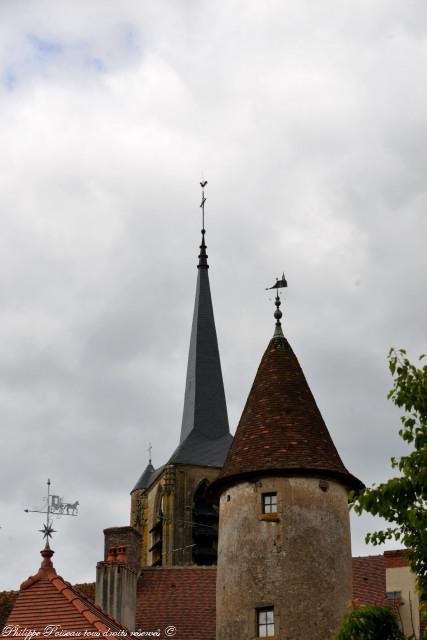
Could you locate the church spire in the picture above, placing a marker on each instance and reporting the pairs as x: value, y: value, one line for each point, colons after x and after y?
x: 205, y: 436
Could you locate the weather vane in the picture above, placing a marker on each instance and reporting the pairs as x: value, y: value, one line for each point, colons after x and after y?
x: 54, y: 506
x: 202, y: 204
x: 279, y: 284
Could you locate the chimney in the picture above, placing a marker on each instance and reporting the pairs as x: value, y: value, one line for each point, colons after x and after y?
x: 116, y: 587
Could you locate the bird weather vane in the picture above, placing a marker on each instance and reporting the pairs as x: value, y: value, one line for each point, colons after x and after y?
x: 202, y: 204
x: 279, y: 284
x: 54, y: 506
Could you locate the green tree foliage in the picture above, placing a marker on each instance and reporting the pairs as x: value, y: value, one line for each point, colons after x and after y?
x: 402, y: 500
x: 370, y: 623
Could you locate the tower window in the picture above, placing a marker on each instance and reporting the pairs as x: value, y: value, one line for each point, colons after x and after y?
x: 269, y: 502
x: 265, y: 622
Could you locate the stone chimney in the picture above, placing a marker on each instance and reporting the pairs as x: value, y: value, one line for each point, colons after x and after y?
x: 116, y: 584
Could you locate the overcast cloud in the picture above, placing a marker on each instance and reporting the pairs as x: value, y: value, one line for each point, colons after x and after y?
x: 309, y: 121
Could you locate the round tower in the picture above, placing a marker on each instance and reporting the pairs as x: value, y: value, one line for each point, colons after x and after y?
x: 284, y: 551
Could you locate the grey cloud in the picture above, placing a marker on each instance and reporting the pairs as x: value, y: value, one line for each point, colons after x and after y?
x: 309, y: 122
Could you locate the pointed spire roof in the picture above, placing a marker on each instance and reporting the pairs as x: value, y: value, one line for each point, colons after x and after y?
x: 281, y: 430
x: 205, y: 435
x: 145, y: 479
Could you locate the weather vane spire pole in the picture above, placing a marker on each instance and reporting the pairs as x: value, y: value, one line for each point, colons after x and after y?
x: 202, y: 204
x: 203, y: 256
x: 279, y: 284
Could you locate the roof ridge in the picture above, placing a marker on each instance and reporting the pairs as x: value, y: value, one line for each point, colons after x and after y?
x: 90, y: 608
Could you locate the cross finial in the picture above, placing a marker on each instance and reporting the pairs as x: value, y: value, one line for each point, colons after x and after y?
x: 150, y: 448
x: 203, y: 256
x: 202, y: 204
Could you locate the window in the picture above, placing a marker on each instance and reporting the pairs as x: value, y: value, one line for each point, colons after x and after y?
x: 265, y: 622
x: 394, y: 595
x: 269, y: 502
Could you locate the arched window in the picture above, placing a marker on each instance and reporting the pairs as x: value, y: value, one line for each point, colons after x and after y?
x: 205, y: 527
x: 157, y: 531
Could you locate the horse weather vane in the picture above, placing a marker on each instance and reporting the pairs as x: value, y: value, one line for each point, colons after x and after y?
x: 54, y: 506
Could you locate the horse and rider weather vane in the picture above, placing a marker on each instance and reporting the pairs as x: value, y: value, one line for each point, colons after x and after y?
x: 54, y: 506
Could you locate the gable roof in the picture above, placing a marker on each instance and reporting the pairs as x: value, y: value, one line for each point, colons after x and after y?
x: 281, y: 428
x: 47, y: 599
x: 183, y: 597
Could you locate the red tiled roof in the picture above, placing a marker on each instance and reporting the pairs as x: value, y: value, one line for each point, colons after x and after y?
x: 183, y: 597
x: 396, y: 558
x: 46, y: 599
x: 369, y: 585
x: 281, y: 427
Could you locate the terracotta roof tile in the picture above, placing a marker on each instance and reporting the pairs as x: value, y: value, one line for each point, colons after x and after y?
x: 281, y: 427
x: 369, y: 585
x: 396, y: 558
x: 183, y: 597
x: 46, y: 599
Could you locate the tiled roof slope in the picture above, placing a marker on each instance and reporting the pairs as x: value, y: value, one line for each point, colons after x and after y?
x: 369, y: 586
x: 396, y: 558
x: 281, y: 428
x: 183, y: 597
x: 46, y: 599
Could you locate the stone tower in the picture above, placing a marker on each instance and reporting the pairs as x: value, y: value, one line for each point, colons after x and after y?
x: 284, y: 552
x: 169, y: 505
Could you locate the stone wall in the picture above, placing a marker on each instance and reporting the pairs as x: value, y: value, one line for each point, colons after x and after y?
x: 298, y: 561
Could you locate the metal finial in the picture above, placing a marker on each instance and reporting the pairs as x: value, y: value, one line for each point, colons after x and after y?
x: 150, y: 448
x: 279, y: 284
x: 55, y: 506
x: 203, y: 256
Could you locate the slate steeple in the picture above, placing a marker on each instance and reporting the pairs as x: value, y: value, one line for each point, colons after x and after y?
x: 205, y: 436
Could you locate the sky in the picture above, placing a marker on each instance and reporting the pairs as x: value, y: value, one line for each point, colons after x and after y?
x: 308, y: 119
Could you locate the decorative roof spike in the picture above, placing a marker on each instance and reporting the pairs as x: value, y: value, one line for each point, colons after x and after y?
x: 279, y: 284
x: 203, y: 256
x: 278, y: 333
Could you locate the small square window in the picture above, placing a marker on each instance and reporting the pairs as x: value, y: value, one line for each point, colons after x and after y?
x: 265, y: 622
x: 269, y: 502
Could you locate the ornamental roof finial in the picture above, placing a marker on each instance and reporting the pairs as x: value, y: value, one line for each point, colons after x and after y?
x: 279, y: 284
x: 203, y: 256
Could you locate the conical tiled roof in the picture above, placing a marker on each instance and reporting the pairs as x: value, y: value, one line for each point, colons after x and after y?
x: 281, y: 429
